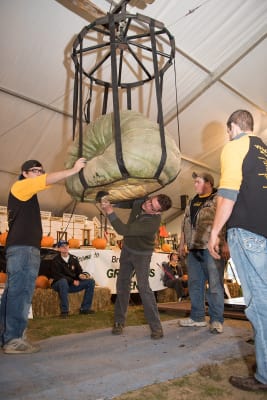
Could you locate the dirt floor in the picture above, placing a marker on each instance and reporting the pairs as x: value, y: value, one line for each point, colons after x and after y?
x: 95, y: 365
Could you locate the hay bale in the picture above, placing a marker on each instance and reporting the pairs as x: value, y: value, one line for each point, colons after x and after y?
x: 167, y: 295
x: 234, y: 289
x: 46, y: 303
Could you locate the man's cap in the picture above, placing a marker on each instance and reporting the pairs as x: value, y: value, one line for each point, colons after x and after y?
x: 62, y: 243
x: 30, y: 164
x: 204, y: 175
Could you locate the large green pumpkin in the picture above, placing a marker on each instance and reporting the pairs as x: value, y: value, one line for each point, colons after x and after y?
x: 141, y: 148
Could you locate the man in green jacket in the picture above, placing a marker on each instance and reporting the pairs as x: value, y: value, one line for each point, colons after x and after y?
x: 138, y: 245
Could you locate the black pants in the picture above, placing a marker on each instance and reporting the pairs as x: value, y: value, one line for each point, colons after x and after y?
x: 176, y: 284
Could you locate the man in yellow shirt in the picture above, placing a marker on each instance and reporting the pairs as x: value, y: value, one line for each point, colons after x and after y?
x: 241, y: 203
x: 23, y: 252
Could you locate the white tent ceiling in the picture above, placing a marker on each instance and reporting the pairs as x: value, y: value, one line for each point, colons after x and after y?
x: 221, y: 58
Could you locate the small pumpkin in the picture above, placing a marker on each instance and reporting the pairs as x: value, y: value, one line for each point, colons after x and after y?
x: 42, y: 282
x: 74, y: 243
x: 47, y: 241
x: 3, y: 237
x: 3, y: 277
x: 99, y: 243
x: 166, y: 248
x: 163, y: 231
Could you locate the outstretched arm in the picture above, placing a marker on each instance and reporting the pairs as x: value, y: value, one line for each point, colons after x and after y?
x: 55, y: 177
x: 223, y: 211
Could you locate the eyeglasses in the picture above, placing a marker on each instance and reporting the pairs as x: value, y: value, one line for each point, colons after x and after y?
x: 151, y: 206
x: 36, y: 170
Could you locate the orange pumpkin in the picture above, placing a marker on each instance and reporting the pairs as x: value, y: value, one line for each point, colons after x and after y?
x: 74, y: 243
x: 42, y: 282
x: 99, y: 243
x: 47, y: 241
x: 166, y: 248
x: 163, y: 231
x: 3, y: 237
x: 3, y: 277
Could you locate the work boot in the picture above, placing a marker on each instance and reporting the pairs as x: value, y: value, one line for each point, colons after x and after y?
x: 248, y: 383
x: 64, y: 315
x: 117, y: 329
x: 86, y: 312
x: 157, y: 334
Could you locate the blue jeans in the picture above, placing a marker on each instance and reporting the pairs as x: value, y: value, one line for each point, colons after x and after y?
x: 23, y: 263
x: 203, y: 268
x: 63, y: 288
x: 139, y: 263
x: 249, y: 253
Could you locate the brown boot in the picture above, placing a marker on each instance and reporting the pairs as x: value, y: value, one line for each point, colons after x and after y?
x: 247, y: 383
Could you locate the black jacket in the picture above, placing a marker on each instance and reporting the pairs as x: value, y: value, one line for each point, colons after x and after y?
x: 69, y: 270
x: 171, y: 273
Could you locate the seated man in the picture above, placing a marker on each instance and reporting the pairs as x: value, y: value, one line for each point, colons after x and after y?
x: 68, y: 277
x: 175, y: 276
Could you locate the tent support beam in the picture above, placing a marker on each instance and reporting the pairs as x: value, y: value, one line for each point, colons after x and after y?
x: 33, y: 101
x: 216, y: 76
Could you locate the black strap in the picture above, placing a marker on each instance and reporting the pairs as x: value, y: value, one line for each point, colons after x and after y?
x: 75, y: 95
x: 116, y: 108
x: 80, y: 149
x: 169, y: 274
x: 87, y: 106
x: 129, y: 98
x: 159, y: 103
x: 105, y: 100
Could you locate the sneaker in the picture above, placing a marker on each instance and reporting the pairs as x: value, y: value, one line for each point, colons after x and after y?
x: 216, y: 327
x: 86, y: 312
x: 191, y: 322
x: 20, y: 346
x: 157, y: 334
x: 117, y: 329
x: 247, y: 383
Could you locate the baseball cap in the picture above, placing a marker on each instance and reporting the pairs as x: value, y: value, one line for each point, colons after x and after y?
x: 62, y: 243
x: 204, y: 175
x: 30, y: 164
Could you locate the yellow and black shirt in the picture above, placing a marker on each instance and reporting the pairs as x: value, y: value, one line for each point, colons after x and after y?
x: 247, y: 156
x: 24, y: 220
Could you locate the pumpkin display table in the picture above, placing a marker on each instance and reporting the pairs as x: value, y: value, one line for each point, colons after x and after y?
x: 86, y: 237
x: 62, y: 236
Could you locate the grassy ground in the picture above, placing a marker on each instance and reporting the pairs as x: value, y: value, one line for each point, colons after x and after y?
x: 43, y: 328
x: 209, y: 382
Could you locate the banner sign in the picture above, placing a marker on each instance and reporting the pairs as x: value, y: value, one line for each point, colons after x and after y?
x: 104, y: 267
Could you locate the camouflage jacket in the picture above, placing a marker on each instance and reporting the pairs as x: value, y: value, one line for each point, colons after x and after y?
x: 197, y: 234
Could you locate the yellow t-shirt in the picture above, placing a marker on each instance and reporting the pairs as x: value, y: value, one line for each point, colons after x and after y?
x: 26, y: 188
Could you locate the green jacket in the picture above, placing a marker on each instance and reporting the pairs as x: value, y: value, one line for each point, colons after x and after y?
x: 140, y: 230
